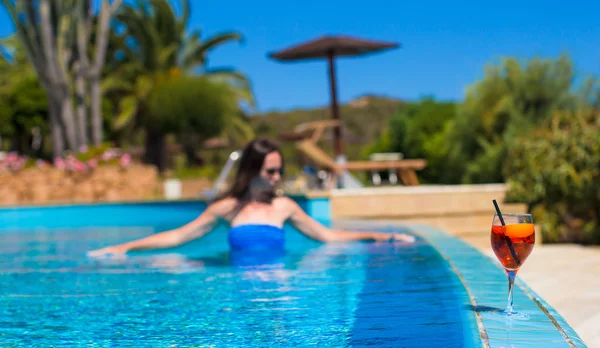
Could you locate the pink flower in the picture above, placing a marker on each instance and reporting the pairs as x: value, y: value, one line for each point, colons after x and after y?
x: 79, y: 167
x: 59, y: 163
x: 125, y: 160
x: 11, y: 157
x: 83, y: 148
x: 109, y: 154
x: 93, y: 163
x: 17, y: 164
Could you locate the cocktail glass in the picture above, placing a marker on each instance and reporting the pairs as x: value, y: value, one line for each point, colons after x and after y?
x: 513, y: 238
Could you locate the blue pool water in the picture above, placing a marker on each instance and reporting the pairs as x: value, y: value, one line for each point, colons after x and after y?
x: 349, y: 295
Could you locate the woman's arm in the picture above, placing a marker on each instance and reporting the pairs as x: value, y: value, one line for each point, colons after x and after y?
x: 172, y: 238
x: 315, y: 230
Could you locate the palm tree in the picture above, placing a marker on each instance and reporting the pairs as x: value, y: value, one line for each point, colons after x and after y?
x: 162, y: 49
x: 56, y: 36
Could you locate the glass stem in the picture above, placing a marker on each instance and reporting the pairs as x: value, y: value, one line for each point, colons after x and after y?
x: 511, y: 286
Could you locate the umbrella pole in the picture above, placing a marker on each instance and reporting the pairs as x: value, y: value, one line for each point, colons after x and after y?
x: 335, y: 112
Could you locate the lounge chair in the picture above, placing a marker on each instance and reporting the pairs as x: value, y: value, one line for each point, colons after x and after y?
x: 307, y: 135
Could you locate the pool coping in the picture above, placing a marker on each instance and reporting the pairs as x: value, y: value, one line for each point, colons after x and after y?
x: 487, y: 289
x: 309, y: 195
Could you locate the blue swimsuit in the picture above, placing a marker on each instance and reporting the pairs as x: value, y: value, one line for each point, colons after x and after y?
x: 256, y: 245
x: 256, y: 236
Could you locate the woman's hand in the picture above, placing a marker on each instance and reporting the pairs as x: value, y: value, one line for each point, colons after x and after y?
x: 317, y: 231
x: 111, y: 250
x: 388, y: 237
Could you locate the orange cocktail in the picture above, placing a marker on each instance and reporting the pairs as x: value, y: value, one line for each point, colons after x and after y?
x: 512, y: 238
x: 520, y: 236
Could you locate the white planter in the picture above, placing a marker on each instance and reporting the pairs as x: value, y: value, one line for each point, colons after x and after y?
x: 172, y: 189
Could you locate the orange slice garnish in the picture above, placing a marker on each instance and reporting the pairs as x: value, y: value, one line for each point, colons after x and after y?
x: 519, y: 230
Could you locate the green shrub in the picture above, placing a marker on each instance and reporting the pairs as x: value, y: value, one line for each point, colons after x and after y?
x: 208, y: 172
x: 190, y: 104
x: 418, y: 131
x: 556, y: 170
x: 512, y: 98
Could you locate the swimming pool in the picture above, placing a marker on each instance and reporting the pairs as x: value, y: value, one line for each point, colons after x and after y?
x: 351, y: 294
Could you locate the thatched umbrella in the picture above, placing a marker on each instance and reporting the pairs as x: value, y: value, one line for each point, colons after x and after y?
x: 329, y: 47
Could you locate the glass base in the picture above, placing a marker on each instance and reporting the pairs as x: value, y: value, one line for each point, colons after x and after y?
x: 512, y: 315
x: 516, y: 315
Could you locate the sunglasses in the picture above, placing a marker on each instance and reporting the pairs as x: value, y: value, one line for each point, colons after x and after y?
x: 272, y: 171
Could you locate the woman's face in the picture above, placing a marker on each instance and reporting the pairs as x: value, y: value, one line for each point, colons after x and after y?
x: 272, y: 168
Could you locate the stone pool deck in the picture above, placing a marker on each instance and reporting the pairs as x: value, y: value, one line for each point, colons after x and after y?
x: 568, y: 278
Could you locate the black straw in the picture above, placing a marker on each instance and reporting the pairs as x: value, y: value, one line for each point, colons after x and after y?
x: 508, y: 241
x: 499, y: 212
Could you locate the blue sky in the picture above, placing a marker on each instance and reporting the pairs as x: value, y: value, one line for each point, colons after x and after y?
x: 446, y: 44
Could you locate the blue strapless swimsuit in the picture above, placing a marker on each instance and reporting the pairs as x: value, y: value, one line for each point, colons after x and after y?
x: 256, y: 245
x: 256, y: 236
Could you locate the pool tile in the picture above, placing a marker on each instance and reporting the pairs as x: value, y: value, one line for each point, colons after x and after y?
x: 508, y: 334
x: 528, y: 344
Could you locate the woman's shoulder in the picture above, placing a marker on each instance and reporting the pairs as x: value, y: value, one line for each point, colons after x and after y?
x: 285, y: 202
x: 223, y: 206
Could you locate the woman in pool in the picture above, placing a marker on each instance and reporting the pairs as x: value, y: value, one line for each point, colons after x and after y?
x: 256, y: 215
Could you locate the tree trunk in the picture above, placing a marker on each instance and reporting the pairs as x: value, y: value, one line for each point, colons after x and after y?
x: 190, y: 143
x: 58, y: 144
x: 190, y: 154
x: 53, y: 32
x: 66, y: 115
x: 96, y: 96
x: 107, y: 10
x: 156, y: 150
x: 82, y: 128
x: 81, y: 109
x: 44, y: 27
x: 83, y: 21
x: 14, y: 143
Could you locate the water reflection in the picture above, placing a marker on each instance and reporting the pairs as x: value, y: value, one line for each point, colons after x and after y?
x: 313, y: 259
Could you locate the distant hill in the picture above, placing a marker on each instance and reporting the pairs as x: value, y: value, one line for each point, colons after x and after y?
x: 364, y: 118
